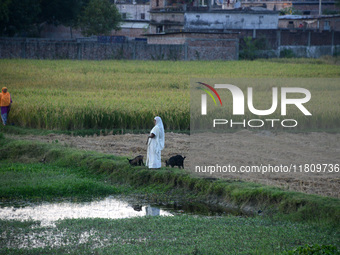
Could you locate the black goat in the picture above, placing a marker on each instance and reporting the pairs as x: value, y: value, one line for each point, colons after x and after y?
x: 137, y: 161
x: 175, y: 161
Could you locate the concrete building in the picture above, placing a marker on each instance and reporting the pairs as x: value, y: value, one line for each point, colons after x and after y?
x: 136, y: 16
x: 205, y: 27
x: 302, y: 22
x: 304, y: 7
x: 134, y: 9
x: 269, y: 5
x: 209, y: 29
x: 248, y: 18
x: 311, y: 7
x: 167, y: 16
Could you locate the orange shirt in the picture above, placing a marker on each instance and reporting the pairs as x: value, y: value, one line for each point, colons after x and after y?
x: 5, y: 99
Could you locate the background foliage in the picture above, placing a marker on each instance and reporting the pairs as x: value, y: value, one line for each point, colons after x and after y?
x: 25, y: 17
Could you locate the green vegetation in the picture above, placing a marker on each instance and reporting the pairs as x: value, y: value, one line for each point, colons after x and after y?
x: 323, y: 105
x: 251, y: 49
x: 287, y: 53
x: 74, y: 95
x: 24, y: 17
x: 99, y: 17
x: 315, y: 249
x: 292, y: 205
x: 289, y: 219
x: 164, y: 235
x: 325, y: 60
x: 19, y: 16
x: 16, y: 130
x: 290, y: 11
x: 49, y: 182
x: 105, y: 97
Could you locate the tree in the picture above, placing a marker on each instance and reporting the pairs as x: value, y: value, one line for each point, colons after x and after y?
x: 290, y: 11
x: 64, y: 12
x: 99, y: 17
x: 22, y: 17
x: 4, y: 14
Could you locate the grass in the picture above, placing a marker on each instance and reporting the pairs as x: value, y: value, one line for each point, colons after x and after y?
x: 327, y: 60
x: 16, y: 130
x: 73, y: 95
x: 323, y: 105
x: 163, y: 235
x: 290, y: 220
x: 49, y: 182
x: 271, y: 200
x: 86, y: 97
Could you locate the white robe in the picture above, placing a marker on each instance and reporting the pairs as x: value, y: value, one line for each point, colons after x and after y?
x: 153, y: 158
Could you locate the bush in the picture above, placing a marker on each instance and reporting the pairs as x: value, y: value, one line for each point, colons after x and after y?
x: 314, y: 249
x: 250, y: 47
x: 287, y: 53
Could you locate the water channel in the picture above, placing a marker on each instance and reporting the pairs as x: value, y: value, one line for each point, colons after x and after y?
x: 109, y: 208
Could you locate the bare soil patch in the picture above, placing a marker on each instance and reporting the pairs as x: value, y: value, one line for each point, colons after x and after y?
x: 239, y: 149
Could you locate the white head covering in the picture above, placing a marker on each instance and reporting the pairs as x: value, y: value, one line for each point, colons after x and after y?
x: 159, y: 123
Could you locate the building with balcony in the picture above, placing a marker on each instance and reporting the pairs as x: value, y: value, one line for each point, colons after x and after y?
x: 198, y: 16
x: 310, y: 22
x: 136, y: 16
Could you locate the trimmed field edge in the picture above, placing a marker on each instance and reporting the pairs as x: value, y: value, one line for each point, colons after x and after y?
x: 17, y: 130
x: 251, y: 197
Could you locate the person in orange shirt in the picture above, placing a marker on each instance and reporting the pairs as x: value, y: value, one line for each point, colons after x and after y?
x: 5, y: 104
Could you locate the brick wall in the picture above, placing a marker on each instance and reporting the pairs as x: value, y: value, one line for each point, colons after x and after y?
x: 202, y: 46
x: 136, y: 32
x: 303, y: 43
x: 294, y: 38
x: 313, y: 7
x: 167, y: 39
x: 199, y: 49
x: 336, y: 38
x: 183, y: 46
x: 324, y: 38
x: 43, y: 49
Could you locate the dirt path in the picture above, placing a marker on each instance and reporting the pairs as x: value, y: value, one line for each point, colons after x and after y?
x: 237, y: 149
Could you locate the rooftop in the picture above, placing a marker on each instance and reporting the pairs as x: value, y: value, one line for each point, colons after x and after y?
x: 304, y: 17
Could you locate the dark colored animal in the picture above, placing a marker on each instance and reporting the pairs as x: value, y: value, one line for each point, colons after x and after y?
x: 175, y: 161
x: 137, y: 161
x: 137, y: 208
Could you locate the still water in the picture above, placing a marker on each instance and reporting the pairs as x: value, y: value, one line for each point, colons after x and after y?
x: 109, y: 208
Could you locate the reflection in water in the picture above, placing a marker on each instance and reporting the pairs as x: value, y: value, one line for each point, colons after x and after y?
x: 137, y: 208
x: 109, y: 208
x: 152, y: 211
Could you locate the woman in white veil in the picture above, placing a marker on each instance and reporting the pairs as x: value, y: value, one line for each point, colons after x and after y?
x: 155, y: 144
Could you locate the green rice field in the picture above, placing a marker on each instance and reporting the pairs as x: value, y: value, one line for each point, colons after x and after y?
x: 73, y: 95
